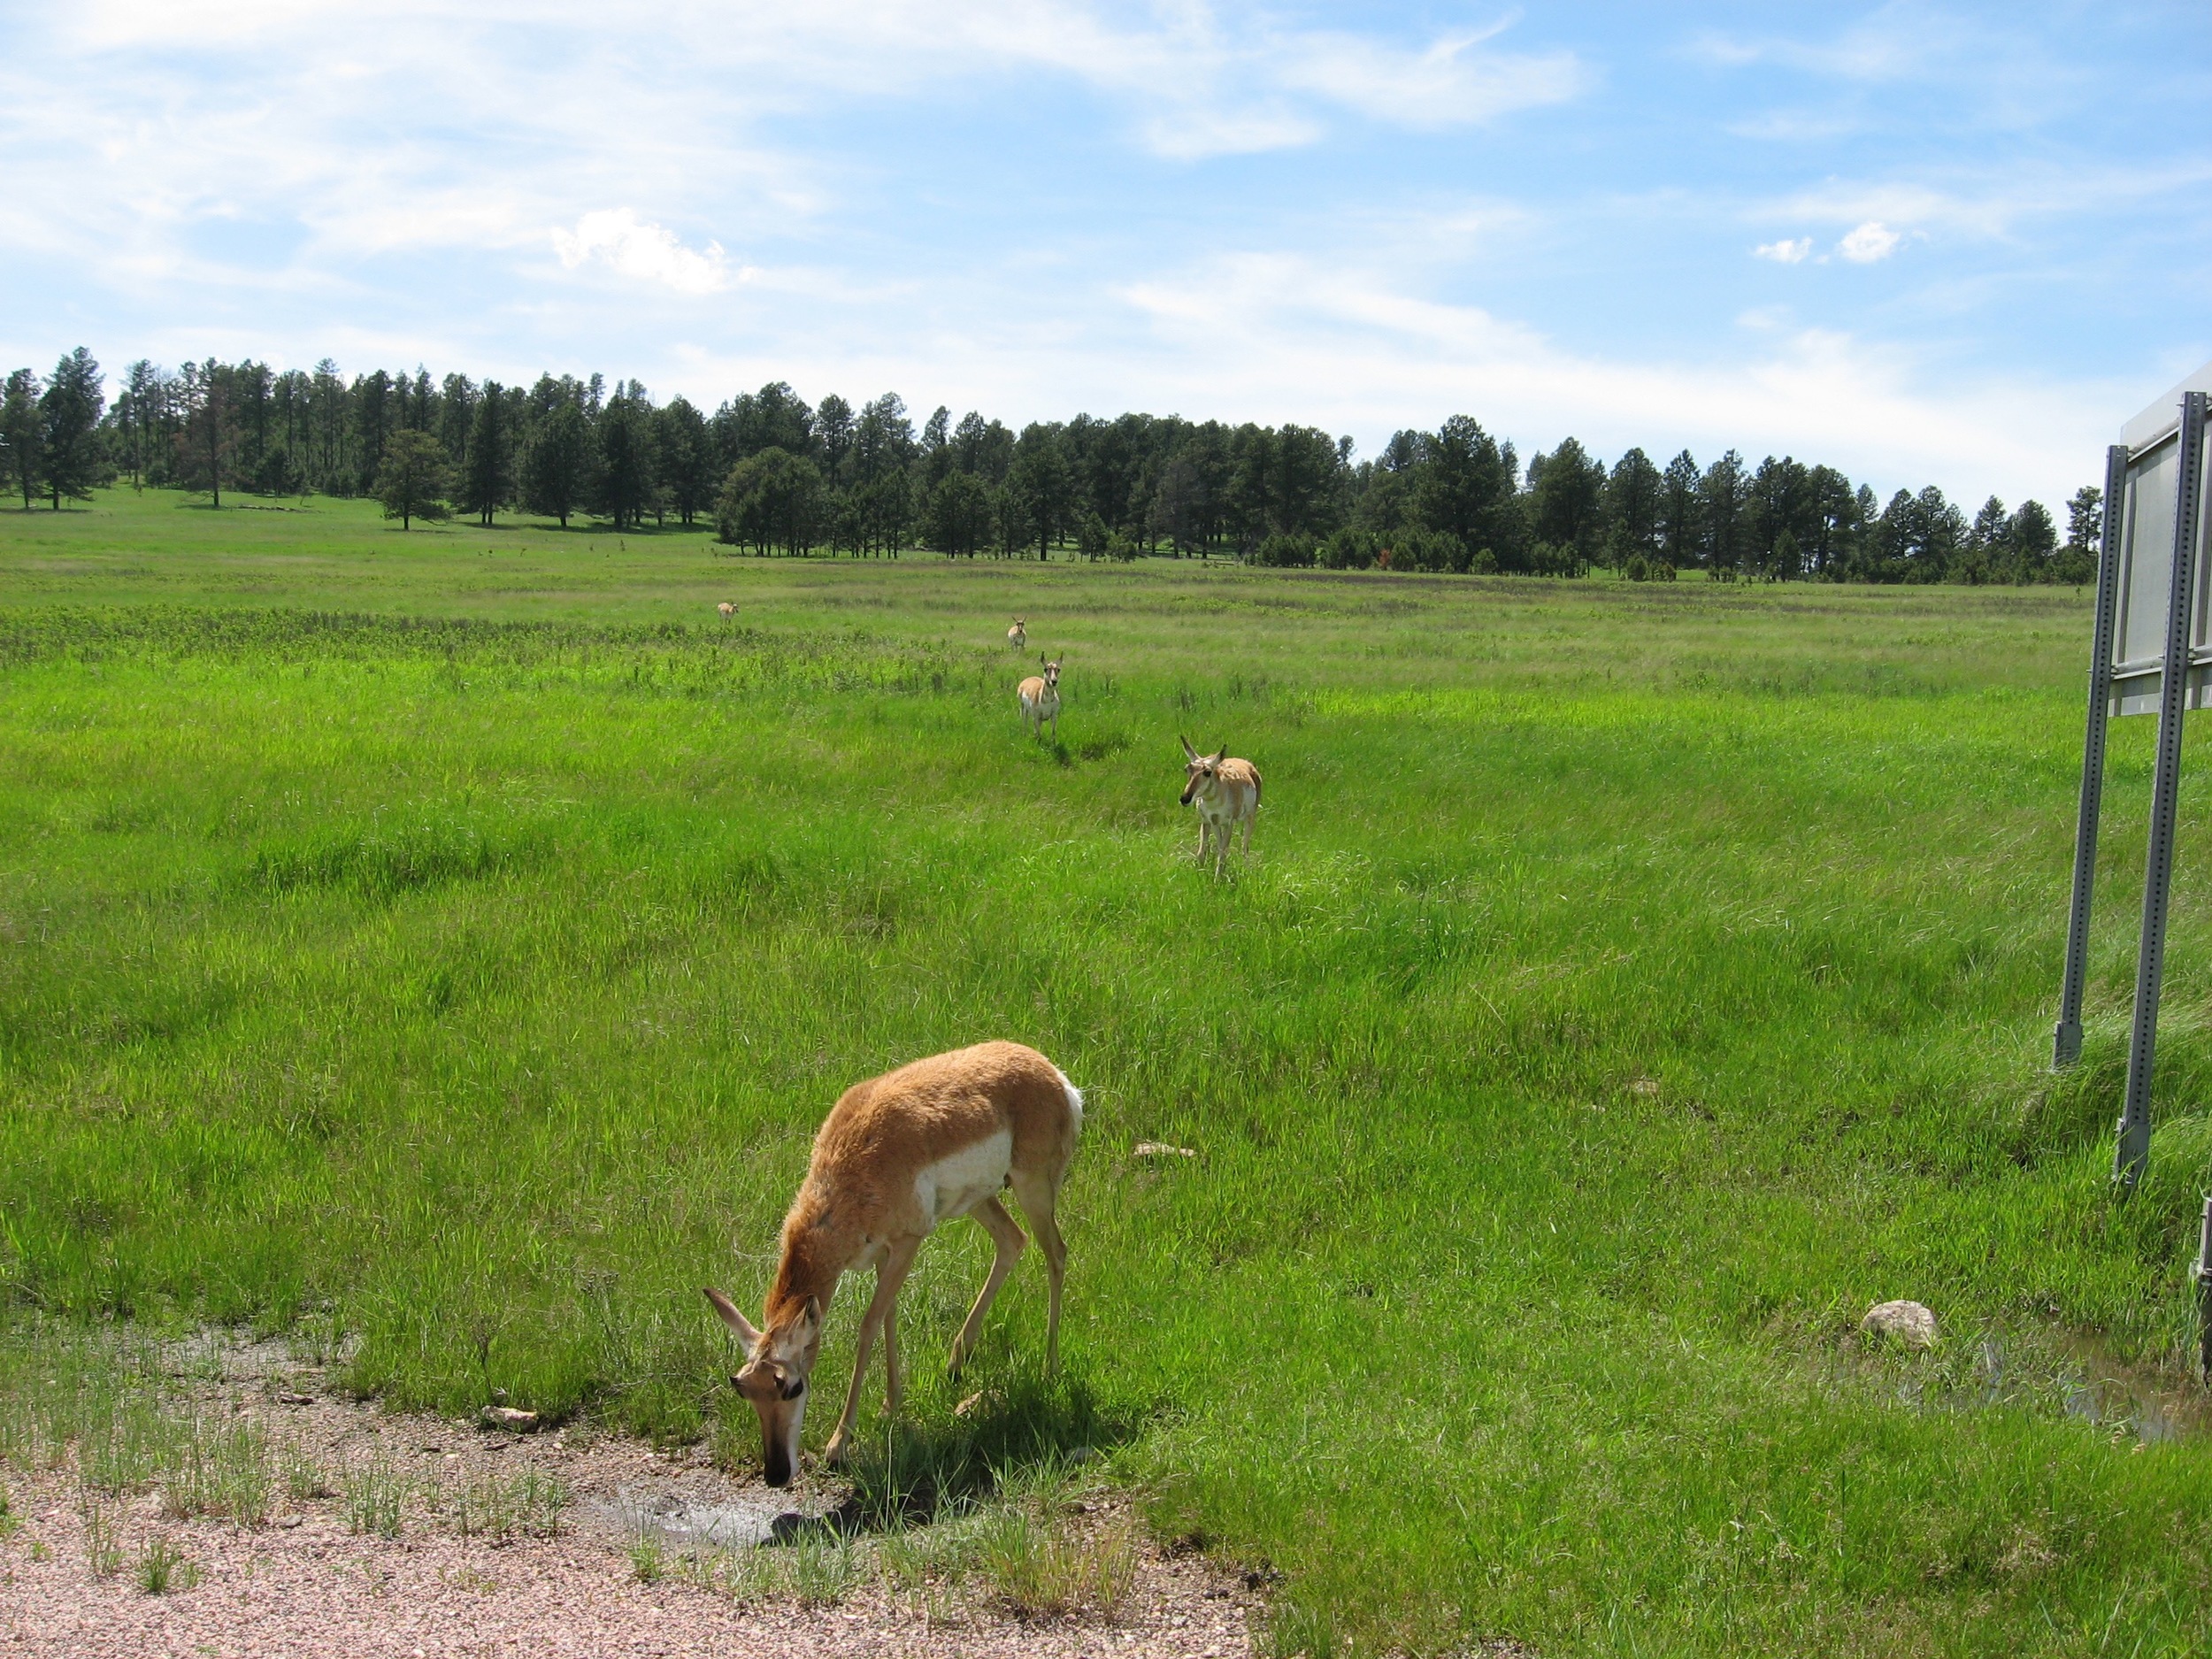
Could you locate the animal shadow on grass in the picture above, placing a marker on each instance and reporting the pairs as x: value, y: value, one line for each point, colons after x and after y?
x: 940, y: 1461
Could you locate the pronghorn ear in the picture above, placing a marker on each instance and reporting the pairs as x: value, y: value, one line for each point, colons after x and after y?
x: 731, y: 1317
x: 1187, y: 749
x: 1221, y: 753
x: 809, y: 1322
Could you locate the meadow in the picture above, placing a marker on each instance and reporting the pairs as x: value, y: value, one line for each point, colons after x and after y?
x: 454, y: 938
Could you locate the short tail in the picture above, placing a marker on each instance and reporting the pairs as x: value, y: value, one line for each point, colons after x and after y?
x: 1075, y: 1100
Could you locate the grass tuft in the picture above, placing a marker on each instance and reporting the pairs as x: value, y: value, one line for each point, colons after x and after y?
x: 162, y: 1567
x: 376, y: 1494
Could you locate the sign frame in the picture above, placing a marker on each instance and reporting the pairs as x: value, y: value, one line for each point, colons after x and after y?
x: 2153, y: 583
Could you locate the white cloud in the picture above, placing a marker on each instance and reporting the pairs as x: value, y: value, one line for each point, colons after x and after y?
x: 1992, y: 201
x: 1868, y: 243
x: 1195, y: 133
x: 1784, y: 252
x: 1454, y: 82
x: 1895, y: 43
x: 617, y: 238
x: 1280, y: 337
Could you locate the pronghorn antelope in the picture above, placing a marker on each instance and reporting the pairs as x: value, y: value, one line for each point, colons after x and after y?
x: 1227, y: 793
x: 1041, y: 699
x: 1017, y: 636
x: 726, y: 610
x: 897, y: 1154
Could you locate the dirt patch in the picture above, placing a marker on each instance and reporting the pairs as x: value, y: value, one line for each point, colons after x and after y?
x: 378, y: 1534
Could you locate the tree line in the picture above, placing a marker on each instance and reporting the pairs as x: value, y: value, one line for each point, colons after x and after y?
x: 775, y: 475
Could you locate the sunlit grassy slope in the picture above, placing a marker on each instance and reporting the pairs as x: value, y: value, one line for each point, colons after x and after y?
x: 467, y: 929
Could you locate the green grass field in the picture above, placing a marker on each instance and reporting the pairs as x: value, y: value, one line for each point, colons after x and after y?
x: 459, y: 934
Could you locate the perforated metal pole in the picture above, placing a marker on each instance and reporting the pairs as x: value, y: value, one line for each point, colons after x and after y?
x: 2066, y: 1040
x: 2204, y: 1292
x: 2134, y: 1149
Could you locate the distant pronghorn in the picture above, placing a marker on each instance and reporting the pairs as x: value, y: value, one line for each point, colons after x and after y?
x: 1017, y: 636
x: 897, y: 1154
x: 1041, y: 699
x: 1227, y: 793
x: 726, y: 610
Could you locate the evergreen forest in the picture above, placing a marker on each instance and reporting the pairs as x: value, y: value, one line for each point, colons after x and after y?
x: 772, y: 474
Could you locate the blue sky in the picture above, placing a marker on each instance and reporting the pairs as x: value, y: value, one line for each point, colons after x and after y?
x: 1954, y: 244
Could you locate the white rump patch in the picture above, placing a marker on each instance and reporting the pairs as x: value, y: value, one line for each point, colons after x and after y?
x: 954, y: 1186
x: 1075, y: 1098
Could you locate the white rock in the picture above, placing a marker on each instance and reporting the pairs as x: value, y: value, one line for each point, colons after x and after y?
x: 1911, y: 1323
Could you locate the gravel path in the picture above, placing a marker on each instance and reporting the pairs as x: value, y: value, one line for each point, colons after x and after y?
x: 306, y: 1582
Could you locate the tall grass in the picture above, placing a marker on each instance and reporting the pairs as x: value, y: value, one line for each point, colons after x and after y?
x: 1630, y: 989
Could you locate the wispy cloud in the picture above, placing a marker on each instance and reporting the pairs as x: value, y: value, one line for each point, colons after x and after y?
x: 1456, y: 81
x: 1784, y: 252
x: 1989, y: 201
x: 1266, y: 332
x: 1892, y: 43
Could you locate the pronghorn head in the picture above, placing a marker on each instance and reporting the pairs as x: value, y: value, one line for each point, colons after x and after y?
x: 777, y: 1362
x: 1020, y: 626
x: 1052, y: 672
x: 1200, y: 771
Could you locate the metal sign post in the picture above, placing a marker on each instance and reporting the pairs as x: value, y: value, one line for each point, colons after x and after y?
x: 2152, y: 651
x: 2158, y: 867
x: 2066, y: 1040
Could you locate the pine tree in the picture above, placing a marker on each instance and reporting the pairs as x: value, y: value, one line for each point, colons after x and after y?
x: 1681, y: 528
x: 206, y: 445
x: 21, y: 464
x: 555, y: 467
x: 414, y: 479
x: 1631, y: 508
x: 685, y: 454
x: 1721, y: 504
x: 624, y: 476
x: 487, y: 481
x: 69, y: 437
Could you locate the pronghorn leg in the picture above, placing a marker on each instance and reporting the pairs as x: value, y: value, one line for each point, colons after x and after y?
x: 892, y: 1380
x: 889, y: 1276
x: 1038, y: 1197
x: 1011, y: 1243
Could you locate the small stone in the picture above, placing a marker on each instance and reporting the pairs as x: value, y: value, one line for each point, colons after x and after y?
x: 510, y: 1418
x: 297, y: 1400
x: 1160, y: 1150
x: 1911, y: 1323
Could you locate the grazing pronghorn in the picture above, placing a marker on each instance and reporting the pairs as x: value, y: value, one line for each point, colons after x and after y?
x: 726, y: 610
x: 897, y: 1154
x: 1041, y: 699
x: 1227, y: 793
x: 1017, y: 636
